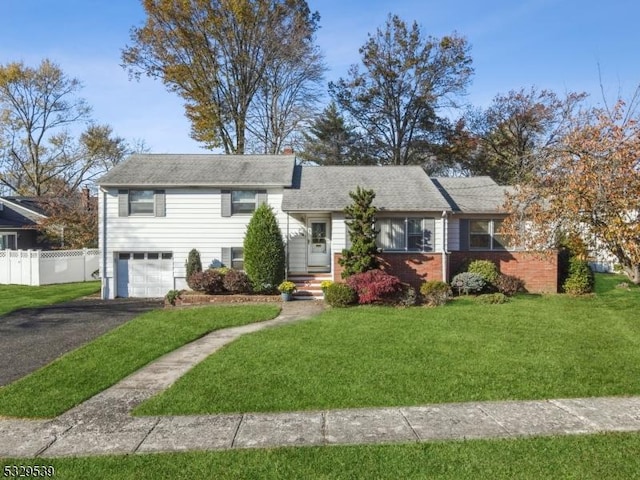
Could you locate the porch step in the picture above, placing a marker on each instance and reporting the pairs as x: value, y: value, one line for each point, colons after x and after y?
x: 308, y: 284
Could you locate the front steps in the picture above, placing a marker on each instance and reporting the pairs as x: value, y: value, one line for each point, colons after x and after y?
x: 308, y: 284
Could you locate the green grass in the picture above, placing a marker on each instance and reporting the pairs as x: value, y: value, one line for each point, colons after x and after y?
x: 13, y: 297
x: 90, y: 369
x: 533, y: 347
x: 609, y: 456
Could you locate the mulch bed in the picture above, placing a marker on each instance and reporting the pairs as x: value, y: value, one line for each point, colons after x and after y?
x: 196, y: 298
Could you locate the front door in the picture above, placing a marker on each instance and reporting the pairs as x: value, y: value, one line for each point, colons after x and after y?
x: 319, y: 255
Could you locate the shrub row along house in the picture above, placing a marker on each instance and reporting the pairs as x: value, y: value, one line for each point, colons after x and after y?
x: 155, y: 208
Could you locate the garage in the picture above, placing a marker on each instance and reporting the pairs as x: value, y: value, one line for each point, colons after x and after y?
x: 144, y: 274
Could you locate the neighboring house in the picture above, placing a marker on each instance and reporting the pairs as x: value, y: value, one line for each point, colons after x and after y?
x: 155, y: 208
x: 18, y: 223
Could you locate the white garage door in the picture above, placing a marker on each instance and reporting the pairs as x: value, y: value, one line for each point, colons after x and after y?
x: 144, y: 274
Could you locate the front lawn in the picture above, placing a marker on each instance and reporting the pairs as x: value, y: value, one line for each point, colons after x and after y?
x: 90, y: 369
x: 13, y: 297
x: 534, y: 347
x: 610, y: 456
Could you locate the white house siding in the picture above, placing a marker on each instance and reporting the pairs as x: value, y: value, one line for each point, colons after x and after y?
x: 296, y: 233
x: 193, y: 220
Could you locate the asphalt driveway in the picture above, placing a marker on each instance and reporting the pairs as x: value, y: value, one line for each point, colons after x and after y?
x: 32, y: 337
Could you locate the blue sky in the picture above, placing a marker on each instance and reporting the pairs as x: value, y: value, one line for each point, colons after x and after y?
x: 554, y: 44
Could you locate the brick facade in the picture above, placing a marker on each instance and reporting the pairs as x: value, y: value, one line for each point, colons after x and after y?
x: 538, y: 270
x: 413, y: 268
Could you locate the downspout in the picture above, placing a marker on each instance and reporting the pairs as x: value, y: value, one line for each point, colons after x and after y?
x: 103, y: 247
x: 445, y: 241
x: 286, y: 250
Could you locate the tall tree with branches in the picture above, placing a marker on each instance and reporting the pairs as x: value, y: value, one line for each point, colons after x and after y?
x: 405, y: 80
x: 512, y: 134
x: 588, y: 185
x: 216, y: 54
x: 38, y: 154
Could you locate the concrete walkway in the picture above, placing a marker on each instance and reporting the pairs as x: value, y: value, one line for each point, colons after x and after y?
x: 103, y: 425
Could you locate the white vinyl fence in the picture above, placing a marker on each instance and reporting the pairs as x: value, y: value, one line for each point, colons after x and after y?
x: 38, y: 267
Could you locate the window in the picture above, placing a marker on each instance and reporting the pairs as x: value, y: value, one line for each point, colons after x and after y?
x: 243, y: 201
x: 8, y: 241
x: 237, y: 258
x: 141, y: 202
x: 406, y: 234
x: 150, y: 203
x: 479, y: 234
x: 485, y: 235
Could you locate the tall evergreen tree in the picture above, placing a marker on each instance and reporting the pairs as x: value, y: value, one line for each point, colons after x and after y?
x: 331, y: 141
x: 264, y: 256
x: 360, y: 220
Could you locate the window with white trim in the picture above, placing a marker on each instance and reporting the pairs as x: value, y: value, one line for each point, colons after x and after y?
x: 243, y: 201
x: 485, y: 234
x: 409, y: 234
x: 141, y: 202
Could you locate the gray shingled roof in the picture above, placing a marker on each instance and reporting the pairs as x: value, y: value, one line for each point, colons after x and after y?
x: 472, y: 194
x: 154, y: 170
x: 398, y: 188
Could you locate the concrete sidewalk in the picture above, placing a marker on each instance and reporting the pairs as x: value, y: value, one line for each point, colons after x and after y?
x: 103, y: 425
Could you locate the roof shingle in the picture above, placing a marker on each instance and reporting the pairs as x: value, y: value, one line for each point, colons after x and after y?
x: 397, y: 188
x: 160, y: 170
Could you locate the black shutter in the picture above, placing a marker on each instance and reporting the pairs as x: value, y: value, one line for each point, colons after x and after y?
x: 464, y: 234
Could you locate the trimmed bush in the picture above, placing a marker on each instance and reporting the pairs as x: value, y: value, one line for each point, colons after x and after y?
x: 193, y: 265
x: 172, y: 296
x: 236, y: 281
x: 580, y: 280
x: 264, y: 259
x: 435, y: 292
x: 486, y: 269
x: 210, y: 281
x: 492, y: 298
x: 373, y: 286
x: 468, y: 282
x: 340, y: 295
x: 405, y: 297
x: 509, y: 285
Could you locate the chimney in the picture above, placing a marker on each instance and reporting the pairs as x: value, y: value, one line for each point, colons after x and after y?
x: 85, y: 199
x: 287, y: 151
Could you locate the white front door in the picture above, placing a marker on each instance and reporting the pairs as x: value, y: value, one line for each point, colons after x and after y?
x: 319, y: 255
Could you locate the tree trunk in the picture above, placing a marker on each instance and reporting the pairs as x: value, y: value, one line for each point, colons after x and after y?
x: 633, y: 272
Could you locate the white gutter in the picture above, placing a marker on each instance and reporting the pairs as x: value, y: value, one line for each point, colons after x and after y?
x: 445, y: 241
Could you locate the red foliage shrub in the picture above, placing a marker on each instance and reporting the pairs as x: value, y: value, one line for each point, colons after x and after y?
x: 210, y: 281
x: 373, y: 286
x: 236, y: 281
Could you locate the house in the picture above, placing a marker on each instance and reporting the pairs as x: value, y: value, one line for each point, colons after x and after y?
x: 19, y: 218
x: 155, y: 208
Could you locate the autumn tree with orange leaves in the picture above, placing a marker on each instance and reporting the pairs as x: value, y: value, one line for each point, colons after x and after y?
x: 588, y: 184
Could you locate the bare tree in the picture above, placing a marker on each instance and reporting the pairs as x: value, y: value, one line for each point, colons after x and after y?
x: 216, y: 55
x: 38, y: 154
